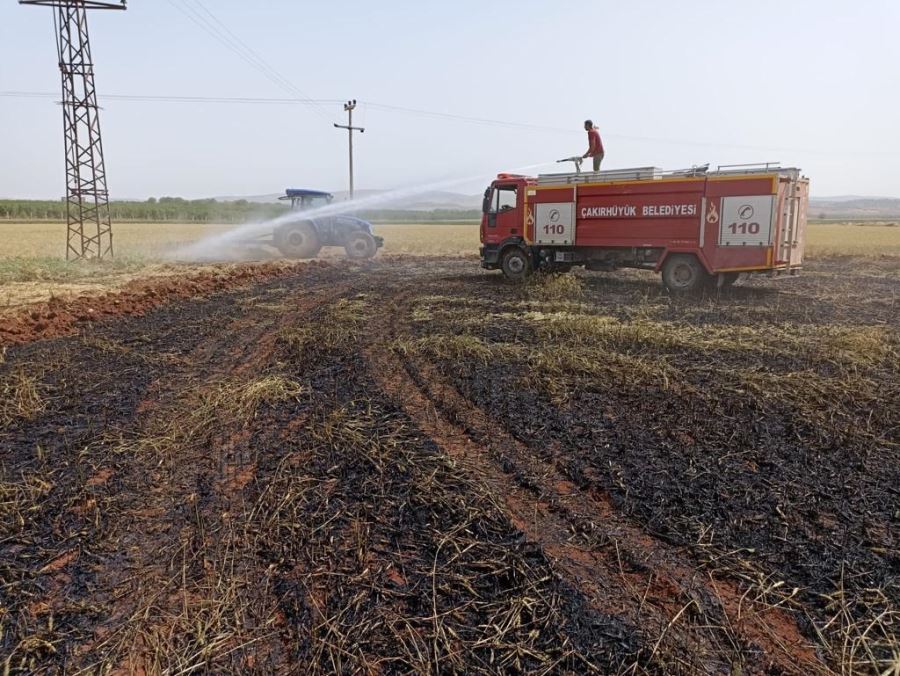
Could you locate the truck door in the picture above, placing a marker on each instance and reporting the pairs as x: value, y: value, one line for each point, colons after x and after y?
x: 504, y: 216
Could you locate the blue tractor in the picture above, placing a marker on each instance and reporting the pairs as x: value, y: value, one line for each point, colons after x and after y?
x: 304, y: 238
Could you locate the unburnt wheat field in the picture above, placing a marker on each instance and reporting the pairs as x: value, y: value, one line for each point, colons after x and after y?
x: 412, y: 466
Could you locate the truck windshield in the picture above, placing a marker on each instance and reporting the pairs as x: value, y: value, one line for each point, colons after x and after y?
x: 504, y: 198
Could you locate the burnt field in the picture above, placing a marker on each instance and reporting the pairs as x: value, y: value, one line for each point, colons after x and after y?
x: 416, y: 467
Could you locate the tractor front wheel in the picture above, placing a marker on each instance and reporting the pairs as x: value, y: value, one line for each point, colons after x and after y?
x: 360, y: 245
x: 298, y: 240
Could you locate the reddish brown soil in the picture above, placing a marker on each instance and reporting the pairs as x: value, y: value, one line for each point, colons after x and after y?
x: 65, y: 316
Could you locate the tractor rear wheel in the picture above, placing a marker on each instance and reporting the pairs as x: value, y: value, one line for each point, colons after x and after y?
x: 298, y: 240
x: 516, y: 264
x: 683, y: 273
x: 360, y: 245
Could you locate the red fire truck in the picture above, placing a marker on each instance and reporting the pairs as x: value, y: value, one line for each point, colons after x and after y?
x: 695, y: 226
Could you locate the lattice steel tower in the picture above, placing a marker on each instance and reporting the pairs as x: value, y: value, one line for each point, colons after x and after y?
x: 87, y: 197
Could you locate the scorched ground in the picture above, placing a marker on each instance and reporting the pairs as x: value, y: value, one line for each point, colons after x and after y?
x: 409, y: 466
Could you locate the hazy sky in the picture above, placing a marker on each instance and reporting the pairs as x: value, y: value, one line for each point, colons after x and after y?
x: 811, y: 83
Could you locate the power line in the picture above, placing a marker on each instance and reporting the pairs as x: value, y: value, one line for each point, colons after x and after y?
x: 252, y: 52
x: 427, y: 114
x: 225, y: 36
x: 220, y: 37
x: 181, y: 99
x: 465, y: 118
x: 302, y: 101
x: 624, y: 137
x: 299, y: 101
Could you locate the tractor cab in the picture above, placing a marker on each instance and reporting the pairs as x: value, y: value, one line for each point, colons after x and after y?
x: 302, y: 199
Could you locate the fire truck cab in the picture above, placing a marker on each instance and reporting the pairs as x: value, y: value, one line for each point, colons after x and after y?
x: 695, y: 227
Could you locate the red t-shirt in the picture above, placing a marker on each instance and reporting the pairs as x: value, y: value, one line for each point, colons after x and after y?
x: 595, y: 146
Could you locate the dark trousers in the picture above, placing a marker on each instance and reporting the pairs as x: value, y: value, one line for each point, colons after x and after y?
x: 597, y: 160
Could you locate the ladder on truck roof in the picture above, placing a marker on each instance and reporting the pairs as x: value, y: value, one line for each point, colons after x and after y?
x: 630, y: 174
x: 655, y: 173
x: 757, y: 168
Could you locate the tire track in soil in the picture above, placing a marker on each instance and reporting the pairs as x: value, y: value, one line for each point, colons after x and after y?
x: 637, y: 575
x: 74, y: 449
x: 193, y: 492
x: 168, y: 502
x: 342, y: 382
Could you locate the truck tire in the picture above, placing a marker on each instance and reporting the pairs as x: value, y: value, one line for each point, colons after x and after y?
x: 683, y: 273
x: 360, y: 245
x: 298, y: 240
x: 516, y: 264
x: 729, y: 279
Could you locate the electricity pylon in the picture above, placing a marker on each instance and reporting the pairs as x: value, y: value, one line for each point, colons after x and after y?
x: 87, y: 197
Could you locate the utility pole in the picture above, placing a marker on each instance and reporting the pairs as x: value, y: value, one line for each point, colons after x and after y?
x: 87, y: 198
x: 349, y: 107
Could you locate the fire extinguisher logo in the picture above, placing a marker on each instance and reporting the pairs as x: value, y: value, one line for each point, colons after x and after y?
x: 554, y: 216
x: 712, y: 216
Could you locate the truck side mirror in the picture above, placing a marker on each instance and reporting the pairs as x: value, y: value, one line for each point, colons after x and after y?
x: 486, y: 203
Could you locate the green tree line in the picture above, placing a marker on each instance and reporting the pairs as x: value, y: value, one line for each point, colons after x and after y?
x: 164, y: 209
x: 178, y: 210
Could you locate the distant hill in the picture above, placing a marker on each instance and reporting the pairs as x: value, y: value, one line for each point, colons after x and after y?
x: 850, y: 206
x: 426, y: 201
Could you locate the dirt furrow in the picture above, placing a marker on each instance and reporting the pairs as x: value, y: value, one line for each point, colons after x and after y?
x: 194, y: 471
x: 619, y: 567
x: 138, y: 493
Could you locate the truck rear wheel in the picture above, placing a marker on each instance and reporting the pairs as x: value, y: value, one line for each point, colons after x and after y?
x: 360, y: 245
x: 298, y: 240
x: 516, y: 264
x: 683, y: 273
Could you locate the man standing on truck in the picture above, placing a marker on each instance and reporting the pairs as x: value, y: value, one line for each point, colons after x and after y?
x: 595, y: 144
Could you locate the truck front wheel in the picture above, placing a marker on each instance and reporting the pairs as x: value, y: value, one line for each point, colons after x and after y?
x: 298, y: 240
x: 683, y: 273
x: 516, y: 264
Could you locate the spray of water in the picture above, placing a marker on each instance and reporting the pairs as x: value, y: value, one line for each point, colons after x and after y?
x: 218, y: 246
